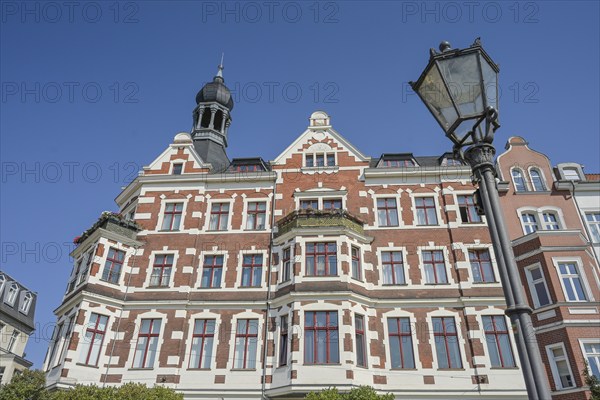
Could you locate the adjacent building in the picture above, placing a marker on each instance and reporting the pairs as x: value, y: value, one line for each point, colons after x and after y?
x: 323, y: 267
x: 17, y: 309
x: 551, y: 217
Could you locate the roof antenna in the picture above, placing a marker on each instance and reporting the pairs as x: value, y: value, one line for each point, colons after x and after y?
x: 220, y: 72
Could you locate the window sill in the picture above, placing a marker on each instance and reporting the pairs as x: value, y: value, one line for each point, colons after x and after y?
x: 255, y: 230
x: 403, y: 369
x: 321, y: 276
x: 198, y: 369
x: 394, y: 284
x: 438, y: 284
x: 217, y: 230
x: 168, y: 230
x: 485, y: 283
x: 250, y: 287
x: 243, y: 369
x: 141, y: 369
x: 87, y: 365
x: 322, y: 365
x: 451, y: 369
x: 503, y: 368
x: 209, y: 288
x: 158, y: 287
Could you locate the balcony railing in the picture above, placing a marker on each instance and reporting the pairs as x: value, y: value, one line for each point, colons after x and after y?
x: 314, y: 219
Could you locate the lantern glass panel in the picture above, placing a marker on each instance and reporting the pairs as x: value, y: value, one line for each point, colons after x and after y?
x: 434, y: 94
x: 490, y: 83
x: 462, y: 74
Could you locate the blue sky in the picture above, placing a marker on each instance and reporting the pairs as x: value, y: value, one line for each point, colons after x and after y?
x: 94, y: 91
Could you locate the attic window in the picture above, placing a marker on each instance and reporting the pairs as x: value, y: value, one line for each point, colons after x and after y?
x: 247, y: 168
x: 11, y: 295
x: 320, y: 160
x: 571, y: 174
x: 177, y: 169
x: 452, y: 162
x: 396, y: 163
x: 26, y: 304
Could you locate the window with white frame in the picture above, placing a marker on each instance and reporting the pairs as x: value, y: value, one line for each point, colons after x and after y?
x: 498, y: 341
x: 323, y: 159
x: 519, y: 180
x: 309, y: 204
x: 537, y: 286
x: 321, y: 337
x: 93, y: 339
x: 591, y: 352
x: 283, y: 340
x: 56, y: 335
x: 359, y: 338
x: 447, y: 344
x: 536, y: 180
x: 321, y: 259
x: 559, y: 364
x: 26, y: 303
x: 468, y: 212
x: 550, y: 221
x: 212, y: 270
x: 12, y: 340
x: 147, y: 343
x: 434, y: 266
x: 481, y: 266
x: 252, y: 266
x: 246, y: 343
x: 426, y: 211
x: 177, y: 168
x: 356, y: 272
x: 571, y: 174
x: 161, y: 270
x: 202, y: 343
x: 113, y: 265
x: 387, y: 212
x: 393, y: 268
x: 529, y: 221
x: 172, y: 216
x: 87, y: 264
x: 219, y: 217
x: 11, y: 294
x: 401, y: 345
x: 256, y: 215
x: 2, y: 281
x: 571, y: 281
x: 593, y: 221
x: 286, y: 272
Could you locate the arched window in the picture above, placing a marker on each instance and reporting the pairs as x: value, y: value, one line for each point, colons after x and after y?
x: 529, y: 222
x: 519, y: 180
x: 218, y: 120
x: 536, y: 180
x: 550, y: 221
x: 26, y: 304
x: 11, y: 295
x: 205, y: 121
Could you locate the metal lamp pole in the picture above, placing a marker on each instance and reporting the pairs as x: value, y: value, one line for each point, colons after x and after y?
x: 469, y: 119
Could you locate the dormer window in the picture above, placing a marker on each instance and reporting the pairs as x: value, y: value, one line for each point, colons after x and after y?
x: 26, y: 304
x: 571, y: 174
x: 177, y: 169
x: 2, y: 280
x: 397, y: 161
x: 452, y: 162
x: 11, y: 295
x: 247, y: 165
x: 320, y: 160
x: 247, y: 168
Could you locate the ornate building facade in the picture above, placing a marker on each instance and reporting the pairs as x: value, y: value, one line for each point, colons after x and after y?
x: 17, y: 310
x: 323, y: 267
x: 554, y: 236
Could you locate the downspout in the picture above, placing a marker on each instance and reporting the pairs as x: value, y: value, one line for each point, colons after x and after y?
x: 268, y: 299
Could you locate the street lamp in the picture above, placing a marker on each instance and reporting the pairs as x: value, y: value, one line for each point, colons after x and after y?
x: 460, y: 89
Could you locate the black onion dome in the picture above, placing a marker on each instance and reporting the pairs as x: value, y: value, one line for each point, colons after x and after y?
x: 215, y: 91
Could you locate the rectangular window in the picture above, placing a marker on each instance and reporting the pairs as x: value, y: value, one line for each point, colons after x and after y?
x: 321, y: 343
x: 2, y: 369
x: 332, y: 204
x: 113, y: 265
x: 397, y: 163
x: 387, y: 213
x: 56, y: 335
x: 393, y: 268
x: 537, y: 287
x: 219, y: 217
x: 246, y: 342
x: 252, y: 270
x: 401, y: 347
x: 312, y: 204
x: 287, y: 265
x: 93, y: 339
x: 177, y: 169
x: 12, y: 340
x: 310, y: 160
x: 468, y: 212
x: 593, y: 221
x: 321, y: 259
x: 147, y: 344
x: 65, y: 343
x: 435, y: 267
x: 592, y: 356
x: 161, y: 270
x: 481, y: 266
x: 87, y: 264
x: 320, y: 158
x: 571, y: 281
x: 446, y: 342
x: 529, y: 223
x: 359, y: 337
x: 426, y: 214
x: 550, y: 221
x: 498, y: 341
x: 212, y: 270
x: 203, y: 338
x: 172, y: 216
x: 563, y: 378
x: 256, y: 215
x: 330, y: 160
x: 283, y: 341
x: 356, y: 264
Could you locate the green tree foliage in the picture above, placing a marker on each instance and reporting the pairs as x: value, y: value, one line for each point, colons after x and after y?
x: 29, y: 385
x: 359, y: 393
x: 593, y: 382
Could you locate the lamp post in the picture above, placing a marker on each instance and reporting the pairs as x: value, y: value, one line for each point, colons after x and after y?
x: 460, y: 89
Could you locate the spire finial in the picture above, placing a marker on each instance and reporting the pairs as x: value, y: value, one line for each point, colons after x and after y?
x: 220, y: 72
